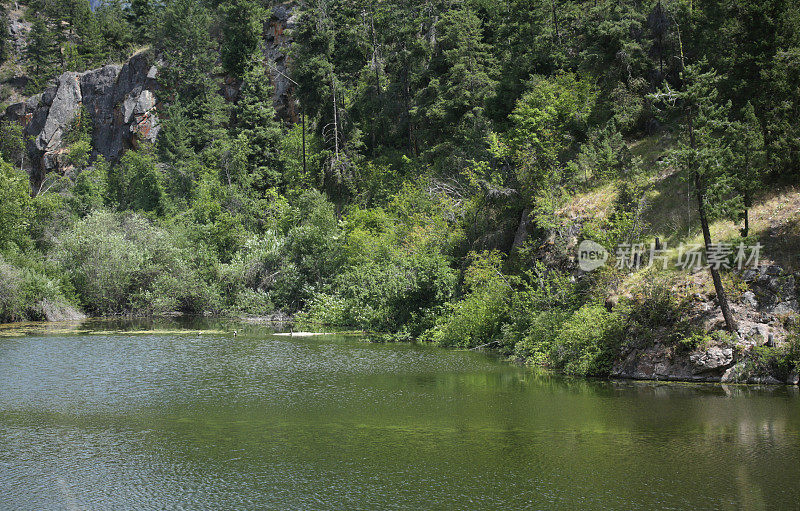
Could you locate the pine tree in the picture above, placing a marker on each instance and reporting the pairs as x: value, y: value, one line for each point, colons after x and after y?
x: 140, y: 17
x: 256, y: 122
x: 40, y: 49
x: 451, y: 107
x: 242, y: 28
x: 750, y: 161
x: 704, y: 155
x: 186, y: 46
x: 116, y: 32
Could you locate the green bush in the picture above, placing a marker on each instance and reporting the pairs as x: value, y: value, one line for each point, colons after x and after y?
x: 701, y: 341
x: 254, y: 279
x: 26, y: 294
x: 779, y: 361
x: 15, y: 208
x: 387, y: 296
x: 121, y: 263
x: 541, y: 335
x: 478, y: 318
x: 314, y: 249
x: 138, y: 184
x: 91, y: 188
x: 587, y: 342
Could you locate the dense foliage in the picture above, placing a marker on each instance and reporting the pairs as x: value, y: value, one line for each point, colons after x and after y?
x: 440, y: 140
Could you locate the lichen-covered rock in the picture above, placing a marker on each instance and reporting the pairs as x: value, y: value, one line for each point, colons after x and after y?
x: 772, y: 290
x: 63, y: 102
x: 749, y: 298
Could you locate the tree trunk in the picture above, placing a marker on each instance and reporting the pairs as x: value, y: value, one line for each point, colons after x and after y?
x: 746, y: 214
x: 522, y: 230
x: 730, y: 323
x: 304, y: 142
x: 699, y: 189
x: 556, y: 34
x: 407, y: 101
x: 375, y: 113
x: 335, y: 119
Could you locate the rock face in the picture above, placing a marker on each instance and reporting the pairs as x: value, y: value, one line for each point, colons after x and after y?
x: 774, y: 291
x: 120, y: 102
x: 713, y: 359
x: 660, y: 362
x: 278, y: 40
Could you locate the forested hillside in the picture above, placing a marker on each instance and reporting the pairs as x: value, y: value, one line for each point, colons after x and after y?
x: 421, y: 169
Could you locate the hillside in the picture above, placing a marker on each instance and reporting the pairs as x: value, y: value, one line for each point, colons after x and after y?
x: 432, y: 171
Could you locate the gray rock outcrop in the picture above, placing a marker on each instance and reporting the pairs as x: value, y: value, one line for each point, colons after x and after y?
x: 278, y: 41
x: 713, y: 359
x: 773, y: 290
x: 120, y: 102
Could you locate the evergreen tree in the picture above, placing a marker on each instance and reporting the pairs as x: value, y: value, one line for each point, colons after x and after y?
x: 186, y: 46
x: 704, y: 155
x: 450, y: 108
x: 141, y: 17
x: 242, y: 27
x: 114, y: 28
x: 256, y: 123
x: 750, y: 160
x: 40, y: 50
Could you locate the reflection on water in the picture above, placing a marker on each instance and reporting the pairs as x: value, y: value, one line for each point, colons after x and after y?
x: 162, y: 417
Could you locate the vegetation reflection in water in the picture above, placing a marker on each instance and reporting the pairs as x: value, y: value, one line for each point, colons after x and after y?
x: 160, y: 417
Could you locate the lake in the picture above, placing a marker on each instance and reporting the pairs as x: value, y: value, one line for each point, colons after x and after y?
x: 170, y: 418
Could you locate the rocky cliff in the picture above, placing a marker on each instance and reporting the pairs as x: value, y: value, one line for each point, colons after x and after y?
x: 763, y: 313
x: 122, y: 104
x: 120, y: 101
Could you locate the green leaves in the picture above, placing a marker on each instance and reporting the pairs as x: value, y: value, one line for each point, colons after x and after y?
x: 15, y: 208
x: 186, y: 46
x: 242, y: 27
x: 546, y: 123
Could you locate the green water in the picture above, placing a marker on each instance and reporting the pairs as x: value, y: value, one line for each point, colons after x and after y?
x: 177, y: 420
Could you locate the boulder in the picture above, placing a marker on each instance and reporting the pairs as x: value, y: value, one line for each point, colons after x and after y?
x: 774, y: 270
x: 713, y: 359
x: 64, y: 103
x: 749, y: 298
x: 759, y: 332
x: 786, y: 308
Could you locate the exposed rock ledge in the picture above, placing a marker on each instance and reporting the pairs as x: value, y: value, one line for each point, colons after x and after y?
x: 763, y: 312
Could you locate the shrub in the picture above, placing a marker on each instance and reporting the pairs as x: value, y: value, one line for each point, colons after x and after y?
x: 314, y: 249
x: 701, y: 341
x: 587, y: 342
x: 26, y: 294
x: 541, y: 335
x: 657, y: 308
x: 15, y: 207
x: 479, y: 317
x: 255, y: 277
x: 123, y: 263
x: 91, y: 188
x: 387, y: 296
x: 138, y: 184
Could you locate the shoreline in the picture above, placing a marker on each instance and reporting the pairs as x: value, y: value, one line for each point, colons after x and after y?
x: 723, y: 366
